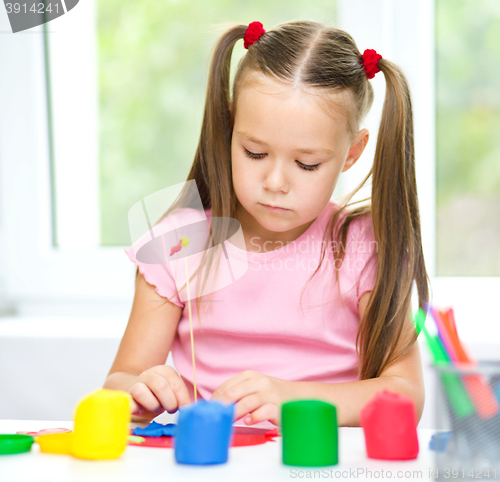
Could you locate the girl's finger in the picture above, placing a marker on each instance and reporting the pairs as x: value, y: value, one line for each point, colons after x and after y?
x: 163, y: 392
x: 143, y: 396
x: 134, y: 407
x: 246, y: 388
x: 221, y: 394
x: 176, y: 383
x: 179, y: 388
x: 253, y: 402
x: 269, y: 411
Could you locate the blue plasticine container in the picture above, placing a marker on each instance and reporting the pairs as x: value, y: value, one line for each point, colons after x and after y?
x: 204, y: 433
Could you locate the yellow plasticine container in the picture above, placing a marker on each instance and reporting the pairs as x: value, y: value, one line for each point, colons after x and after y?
x: 55, y: 443
x: 101, y: 425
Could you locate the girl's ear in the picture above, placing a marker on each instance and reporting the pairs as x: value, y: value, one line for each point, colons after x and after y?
x: 356, y: 149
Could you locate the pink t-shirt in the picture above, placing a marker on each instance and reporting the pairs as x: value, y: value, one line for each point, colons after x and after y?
x: 256, y: 322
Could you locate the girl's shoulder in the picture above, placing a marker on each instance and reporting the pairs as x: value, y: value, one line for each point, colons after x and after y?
x: 363, y: 226
x: 359, y: 227
x: 182, y: 217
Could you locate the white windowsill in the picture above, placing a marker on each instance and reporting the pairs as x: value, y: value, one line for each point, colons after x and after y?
x: 62, y: 327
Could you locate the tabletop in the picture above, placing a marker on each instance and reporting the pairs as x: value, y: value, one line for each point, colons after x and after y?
x: 260, y: 463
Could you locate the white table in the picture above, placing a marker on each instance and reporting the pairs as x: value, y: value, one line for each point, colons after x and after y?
x: 259, y: 463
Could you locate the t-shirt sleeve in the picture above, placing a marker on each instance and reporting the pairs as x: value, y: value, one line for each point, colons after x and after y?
x: 364, y: 250
x: 157, y: 270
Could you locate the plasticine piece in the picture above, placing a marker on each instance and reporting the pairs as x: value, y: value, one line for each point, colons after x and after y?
x: 390, y: 426
x: 155, y: 429
x: 242, y: 436
x: 439, y: 441
x: 310, y: 433
x: 135, y: 440
x: 204, y: 432
x: 252, y: 436
x: 162, y: 442
x: 101, y: 425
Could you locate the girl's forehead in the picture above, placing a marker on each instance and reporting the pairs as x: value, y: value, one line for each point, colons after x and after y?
x: 262, y: 100
x: 266, y: 84
x: 274, y: 86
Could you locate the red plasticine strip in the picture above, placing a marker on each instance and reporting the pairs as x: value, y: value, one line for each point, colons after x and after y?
x: 242, y: 436
x: 45, y: 431
x: 479, y: 390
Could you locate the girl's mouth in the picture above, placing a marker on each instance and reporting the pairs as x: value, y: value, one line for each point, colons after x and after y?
x: 276, y: 209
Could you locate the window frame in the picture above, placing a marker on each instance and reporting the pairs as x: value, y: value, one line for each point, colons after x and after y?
x: 35, y: 279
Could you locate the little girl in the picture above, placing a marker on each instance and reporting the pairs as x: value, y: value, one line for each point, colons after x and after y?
x: 269, y: 157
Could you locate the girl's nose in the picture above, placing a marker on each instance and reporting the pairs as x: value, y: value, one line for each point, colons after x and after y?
x: 276, y: 178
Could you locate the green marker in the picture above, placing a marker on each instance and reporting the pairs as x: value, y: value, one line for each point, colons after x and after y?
x: 455, y: 391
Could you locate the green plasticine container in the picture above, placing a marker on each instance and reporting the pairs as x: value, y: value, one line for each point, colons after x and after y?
x: 309, y: 433
x: 15, y: 443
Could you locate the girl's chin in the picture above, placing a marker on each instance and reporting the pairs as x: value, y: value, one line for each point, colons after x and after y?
x: 275, y: 225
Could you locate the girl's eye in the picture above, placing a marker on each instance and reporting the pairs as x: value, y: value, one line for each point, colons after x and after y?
x: 253, y: 155
x: 306, y: 167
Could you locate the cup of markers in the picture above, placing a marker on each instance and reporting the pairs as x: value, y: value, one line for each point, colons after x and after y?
x: 467, y: 440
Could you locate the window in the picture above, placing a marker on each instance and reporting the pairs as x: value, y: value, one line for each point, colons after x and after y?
x: 468, y: 145
x: 122, y: 98
x: 127, y: 86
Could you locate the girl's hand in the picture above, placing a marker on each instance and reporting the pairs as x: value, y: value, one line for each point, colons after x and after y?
x: 258, y: 395
x: 157, y: 389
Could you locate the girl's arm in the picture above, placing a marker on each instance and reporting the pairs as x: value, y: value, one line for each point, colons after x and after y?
x: 404, y: 376
x: 139, y: 366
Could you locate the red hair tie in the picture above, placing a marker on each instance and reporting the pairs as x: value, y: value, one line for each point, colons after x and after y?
x: 253, y: 33
x: 370, y: 59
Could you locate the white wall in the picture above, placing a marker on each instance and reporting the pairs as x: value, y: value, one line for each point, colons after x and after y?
x: 48, y: 364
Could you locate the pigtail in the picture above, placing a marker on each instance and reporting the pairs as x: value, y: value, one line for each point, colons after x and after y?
x: 396, y: 223
x: 212, y: 162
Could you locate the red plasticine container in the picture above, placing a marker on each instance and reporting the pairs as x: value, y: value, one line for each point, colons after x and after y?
x: 390, y: 426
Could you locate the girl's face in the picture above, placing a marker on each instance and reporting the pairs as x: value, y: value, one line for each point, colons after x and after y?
x: 288, y: 152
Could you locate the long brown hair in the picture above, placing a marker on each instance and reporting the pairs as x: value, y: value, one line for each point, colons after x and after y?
x: 315, y: 55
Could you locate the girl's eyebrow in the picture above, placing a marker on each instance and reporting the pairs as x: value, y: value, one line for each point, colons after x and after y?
x: 304, y: 150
